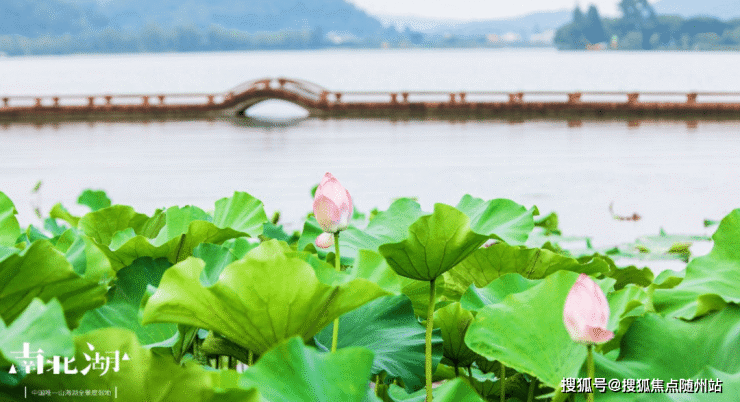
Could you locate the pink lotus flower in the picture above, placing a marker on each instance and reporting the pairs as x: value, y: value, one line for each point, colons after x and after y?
x: 586, y: 312
x: 325, y: 240
x: 332, y: 205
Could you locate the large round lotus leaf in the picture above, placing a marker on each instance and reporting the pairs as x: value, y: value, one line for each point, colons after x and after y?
x: 387, y: 326
x: 434, y: 244
x: 141, y: 375
x: 711, y: 281
x: 454, y: 321
x: 241, y: 212
x: 297, y: 373
x: 43, y: 272
x: 489, y: 263
x: 503, y: 219
x: 10, y: 230
x: 451, y: 391
x: 258, y: 301
x: 525, y: 331
x: 387, y: 227
x: 665, y: 348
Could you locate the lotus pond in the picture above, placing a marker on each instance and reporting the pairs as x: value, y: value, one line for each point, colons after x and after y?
x: 224, y: 305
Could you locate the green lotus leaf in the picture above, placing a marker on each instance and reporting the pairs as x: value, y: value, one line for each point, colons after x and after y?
x: 451, y: 391
x: 525, y: 331
x: 418, y: 293
x: 435, y: 244
x: 59, y: 212
x: 218, y: 256
x: 236, y: 395
x: 272, y: 231
x: 96, y: 200
x: 632, y: 275
x: 123, y: 307
x: 33, y: 233
x: 488, y: 263
x: 43, y: 271
x: 503, y: 219
x: 297, y: 373
x: 373, y: 267
x: 387, y: 326
x: 10, y: 230
x: 476, y: 298
x: 259, y: 300
x: 40, y: 325
x: 173, y: 233
x: 5, y: 252
x: 730, y: 387
x: 710, y: 281
x: 387, y: 227
x: 665, y: 348
x: 126, y: 246
x: 144, y: 376
x: 177, y: 222
x: 103, y: 224
x: 626, y: 305
x: 454, y: 321
x: 241, y: 212
x: 87, y: 257
x: 489, y: 387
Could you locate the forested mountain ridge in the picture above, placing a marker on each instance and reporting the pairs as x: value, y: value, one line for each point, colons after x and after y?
x: 722, y: 9
x: 641, y: 27
x: 55, y: 17
x: 48, y: 17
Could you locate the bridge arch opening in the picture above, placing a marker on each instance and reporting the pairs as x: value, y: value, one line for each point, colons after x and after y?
x: 276, y: 110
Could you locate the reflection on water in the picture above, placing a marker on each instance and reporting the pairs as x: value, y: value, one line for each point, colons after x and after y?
x: 278, y: 111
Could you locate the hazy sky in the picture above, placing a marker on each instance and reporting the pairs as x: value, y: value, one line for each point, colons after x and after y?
x: 477, y: 9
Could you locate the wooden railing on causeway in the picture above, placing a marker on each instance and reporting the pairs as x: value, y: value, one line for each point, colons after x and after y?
x: 319, y: 100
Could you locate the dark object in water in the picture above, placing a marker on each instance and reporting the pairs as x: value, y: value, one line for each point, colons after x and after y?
x: 635, y: 216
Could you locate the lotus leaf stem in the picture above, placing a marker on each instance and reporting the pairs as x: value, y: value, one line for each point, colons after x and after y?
x: 430, y: 326
x: 590, y: 363
x: 530, y: 395
x: 338, y: 267
x: 503, y: 382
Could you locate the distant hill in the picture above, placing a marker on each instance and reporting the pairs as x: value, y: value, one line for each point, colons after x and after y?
x: 247, y: 16
x: 529, y: 23
x: 48, y: 17
x: 33, y: 18
x: 722, y: 9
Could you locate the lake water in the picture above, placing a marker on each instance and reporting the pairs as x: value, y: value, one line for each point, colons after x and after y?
x: 673, y: 174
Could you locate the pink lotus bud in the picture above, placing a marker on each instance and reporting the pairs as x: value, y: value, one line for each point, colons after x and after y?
x: 325, y: 240
x: 332, y: 205
x: 586, y: 312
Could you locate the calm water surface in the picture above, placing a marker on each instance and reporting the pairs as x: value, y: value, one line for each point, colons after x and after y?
x: 673, y: 174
